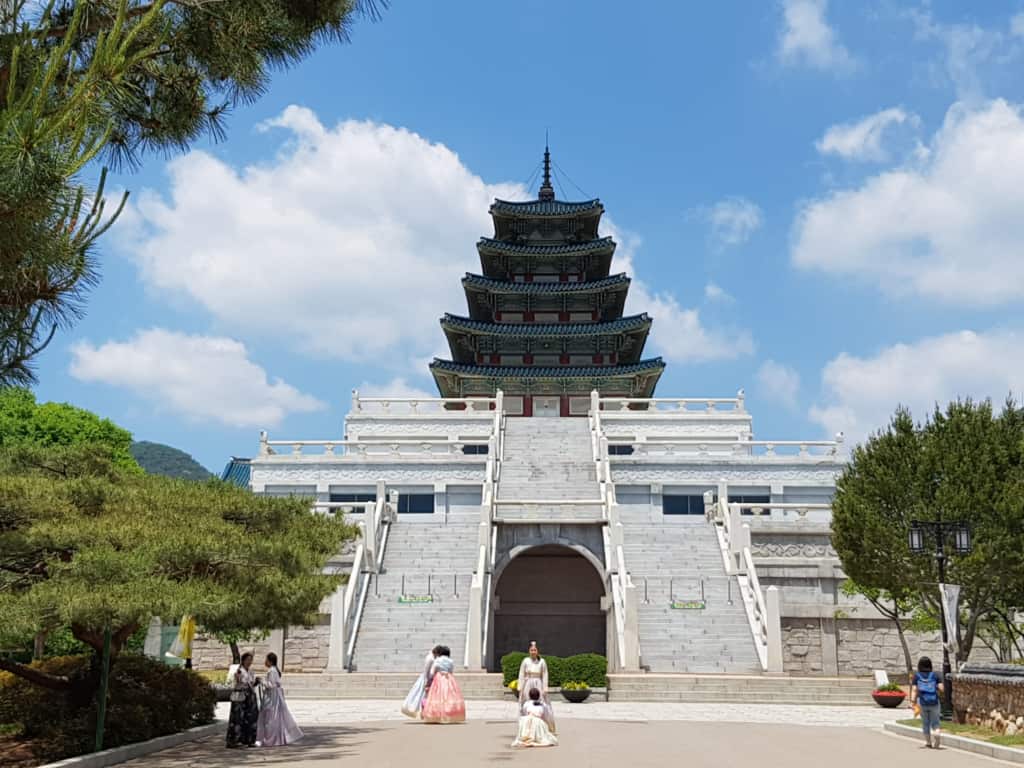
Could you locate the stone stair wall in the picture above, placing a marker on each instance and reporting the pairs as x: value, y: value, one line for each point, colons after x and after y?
x: 668, y: 561
x: 548, y: 459
x: 741, y: 689
x: 395, y: 636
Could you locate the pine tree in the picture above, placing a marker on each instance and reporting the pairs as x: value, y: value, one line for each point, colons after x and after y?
x: 86, y: 84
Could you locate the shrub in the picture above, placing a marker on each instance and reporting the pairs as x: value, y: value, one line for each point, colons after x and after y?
x: 589, y: 668
x: 146, y: 699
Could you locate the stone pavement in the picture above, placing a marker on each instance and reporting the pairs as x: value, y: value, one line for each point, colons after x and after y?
x: 316, y: 712
x: 584, y: 743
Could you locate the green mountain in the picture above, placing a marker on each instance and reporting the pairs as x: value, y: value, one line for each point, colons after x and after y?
x: 160, y: 459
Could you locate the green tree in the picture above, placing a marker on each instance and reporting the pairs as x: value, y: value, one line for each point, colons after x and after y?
x: 25, y: 422
x: 875, y: 499
x: 86, y: 545
x: 103, y: 81
x: 962, y: 464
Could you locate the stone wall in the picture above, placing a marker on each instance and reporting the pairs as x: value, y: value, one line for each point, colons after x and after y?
x: 864, y: 645
x: 801, y: 647
x: 992, y: 696
x: 305, y: 649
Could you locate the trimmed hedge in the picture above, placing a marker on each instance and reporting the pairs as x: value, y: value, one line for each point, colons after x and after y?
x: 146, y: 699
x: 589, y: 668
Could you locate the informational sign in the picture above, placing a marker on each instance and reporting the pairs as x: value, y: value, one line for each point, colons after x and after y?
x: 415, y: 599
x: 688, y: 605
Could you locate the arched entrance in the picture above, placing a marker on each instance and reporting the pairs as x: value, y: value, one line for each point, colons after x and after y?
x: 552, y: 594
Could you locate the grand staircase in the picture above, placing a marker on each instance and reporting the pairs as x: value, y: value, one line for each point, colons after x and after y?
x: 550, y: 464
x: 421, y: 560
x: 680, y: 561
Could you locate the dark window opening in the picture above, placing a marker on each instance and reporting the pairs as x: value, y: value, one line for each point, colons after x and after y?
x: 474, y: 450
x: 352, y: 498
x: 620, y: 450
x: 678, y: 504
x: 415, y: 503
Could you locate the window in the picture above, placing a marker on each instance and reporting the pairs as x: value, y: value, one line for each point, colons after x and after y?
x: 750, y: 498
x: 624, y: 450
x: 474, y: 450
x: 416, y: 503
x: 678, y: 504
x: 352, y: 498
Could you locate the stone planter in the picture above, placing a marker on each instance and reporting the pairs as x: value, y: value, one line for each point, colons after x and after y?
x: 576, y: 696
x: 888, y: 699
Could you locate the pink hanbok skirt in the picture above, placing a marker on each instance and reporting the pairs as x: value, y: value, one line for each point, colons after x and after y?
x: 444, y: 702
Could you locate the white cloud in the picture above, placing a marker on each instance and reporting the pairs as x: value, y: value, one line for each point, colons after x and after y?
x: 949, y: 228
x: 1017, y: 25
x: 678, y: 334
x: 972, y: 53
x: 732, y: 220
x: 349, y: 244
x: 860, y: 394
x: 199, y: 377
x: 397, y: 387
x: 862, y: 140
x: 779, y: 383
x: 713, y: 292
x: 807, y: 38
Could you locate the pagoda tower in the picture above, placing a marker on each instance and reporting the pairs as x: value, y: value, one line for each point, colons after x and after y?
x: 545, y: 322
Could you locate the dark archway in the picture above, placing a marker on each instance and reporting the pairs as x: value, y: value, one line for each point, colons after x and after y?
x: 551, y: 594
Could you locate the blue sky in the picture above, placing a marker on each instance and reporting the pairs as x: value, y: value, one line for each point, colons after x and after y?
x: 819, y: 202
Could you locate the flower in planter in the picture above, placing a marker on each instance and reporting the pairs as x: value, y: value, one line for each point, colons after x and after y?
x: 575, y: 686
x: 889, y: 689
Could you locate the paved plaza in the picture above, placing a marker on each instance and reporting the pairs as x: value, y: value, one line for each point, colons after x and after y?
x: 599, y: 734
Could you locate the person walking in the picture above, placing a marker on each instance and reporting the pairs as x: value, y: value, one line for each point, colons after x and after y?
x: 276, y: 726
x: 245, y: 710
x: 925, y: 691
x: 413, y: 704
x: 444, y: 702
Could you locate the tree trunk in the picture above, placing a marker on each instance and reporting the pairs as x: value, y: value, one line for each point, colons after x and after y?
x: 38, y: 646
x: 906, y: 648
x: 236, y: 655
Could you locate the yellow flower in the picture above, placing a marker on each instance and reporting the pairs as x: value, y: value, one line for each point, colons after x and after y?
x: 514, y: 685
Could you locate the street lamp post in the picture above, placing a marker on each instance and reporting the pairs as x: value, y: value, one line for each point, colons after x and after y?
x: 961, y: 535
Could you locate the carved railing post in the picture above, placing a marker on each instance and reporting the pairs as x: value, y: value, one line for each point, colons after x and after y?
x: 773, y: 627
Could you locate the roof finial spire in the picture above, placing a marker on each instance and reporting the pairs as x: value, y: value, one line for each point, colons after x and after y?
x: 547, y: 192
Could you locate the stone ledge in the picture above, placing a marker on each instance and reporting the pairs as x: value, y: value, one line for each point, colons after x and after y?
x: 140, y: 749
x: 950, y: 741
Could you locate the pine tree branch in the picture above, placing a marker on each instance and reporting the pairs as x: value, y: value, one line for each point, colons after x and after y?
x: 35, y: 676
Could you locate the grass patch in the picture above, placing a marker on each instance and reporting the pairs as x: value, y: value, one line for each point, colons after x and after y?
x: 9, y: 729
x: 975, y: 732
x: 212, y: 675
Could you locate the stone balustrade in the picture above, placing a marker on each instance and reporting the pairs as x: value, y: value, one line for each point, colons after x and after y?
x: 675, y: 404
x: 374, y: 449
x: 785, y: 450
x: 424, y: 406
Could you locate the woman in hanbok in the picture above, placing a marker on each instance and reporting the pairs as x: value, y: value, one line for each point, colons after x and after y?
x: 533, y: 675
x: 413, y: 703
x: 444, y: 702
x: 276, y: 726
x: 245, y: 710
x: 533, y: 728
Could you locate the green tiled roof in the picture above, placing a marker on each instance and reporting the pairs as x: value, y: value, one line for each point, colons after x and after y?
x: 508, y: 286
x: 546, y: 207
x: 622, y: 325
x: 582, y: 246
x: 237, y: 472
x: 547, y: 372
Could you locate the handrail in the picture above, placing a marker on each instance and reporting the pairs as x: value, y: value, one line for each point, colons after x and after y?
x: 378, y: 530
x: 476, y: 584
x: 709, y: 404
x: 373, y: 447
x: 618, y: 603
x: 804, y: 449
x: 381, y: 406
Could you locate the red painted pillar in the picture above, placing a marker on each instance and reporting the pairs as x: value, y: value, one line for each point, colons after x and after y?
x: 527, y: 405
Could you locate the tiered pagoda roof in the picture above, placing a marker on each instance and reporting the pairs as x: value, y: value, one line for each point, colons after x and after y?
x: 546, y: 315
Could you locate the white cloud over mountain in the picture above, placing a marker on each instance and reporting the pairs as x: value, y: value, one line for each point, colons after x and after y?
x: 203, y: 378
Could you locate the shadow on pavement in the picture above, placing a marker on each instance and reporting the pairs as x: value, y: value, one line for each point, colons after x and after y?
x: 318, y: 744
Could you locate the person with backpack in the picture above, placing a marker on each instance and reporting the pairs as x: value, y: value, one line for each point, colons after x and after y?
x: 925, y: 692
